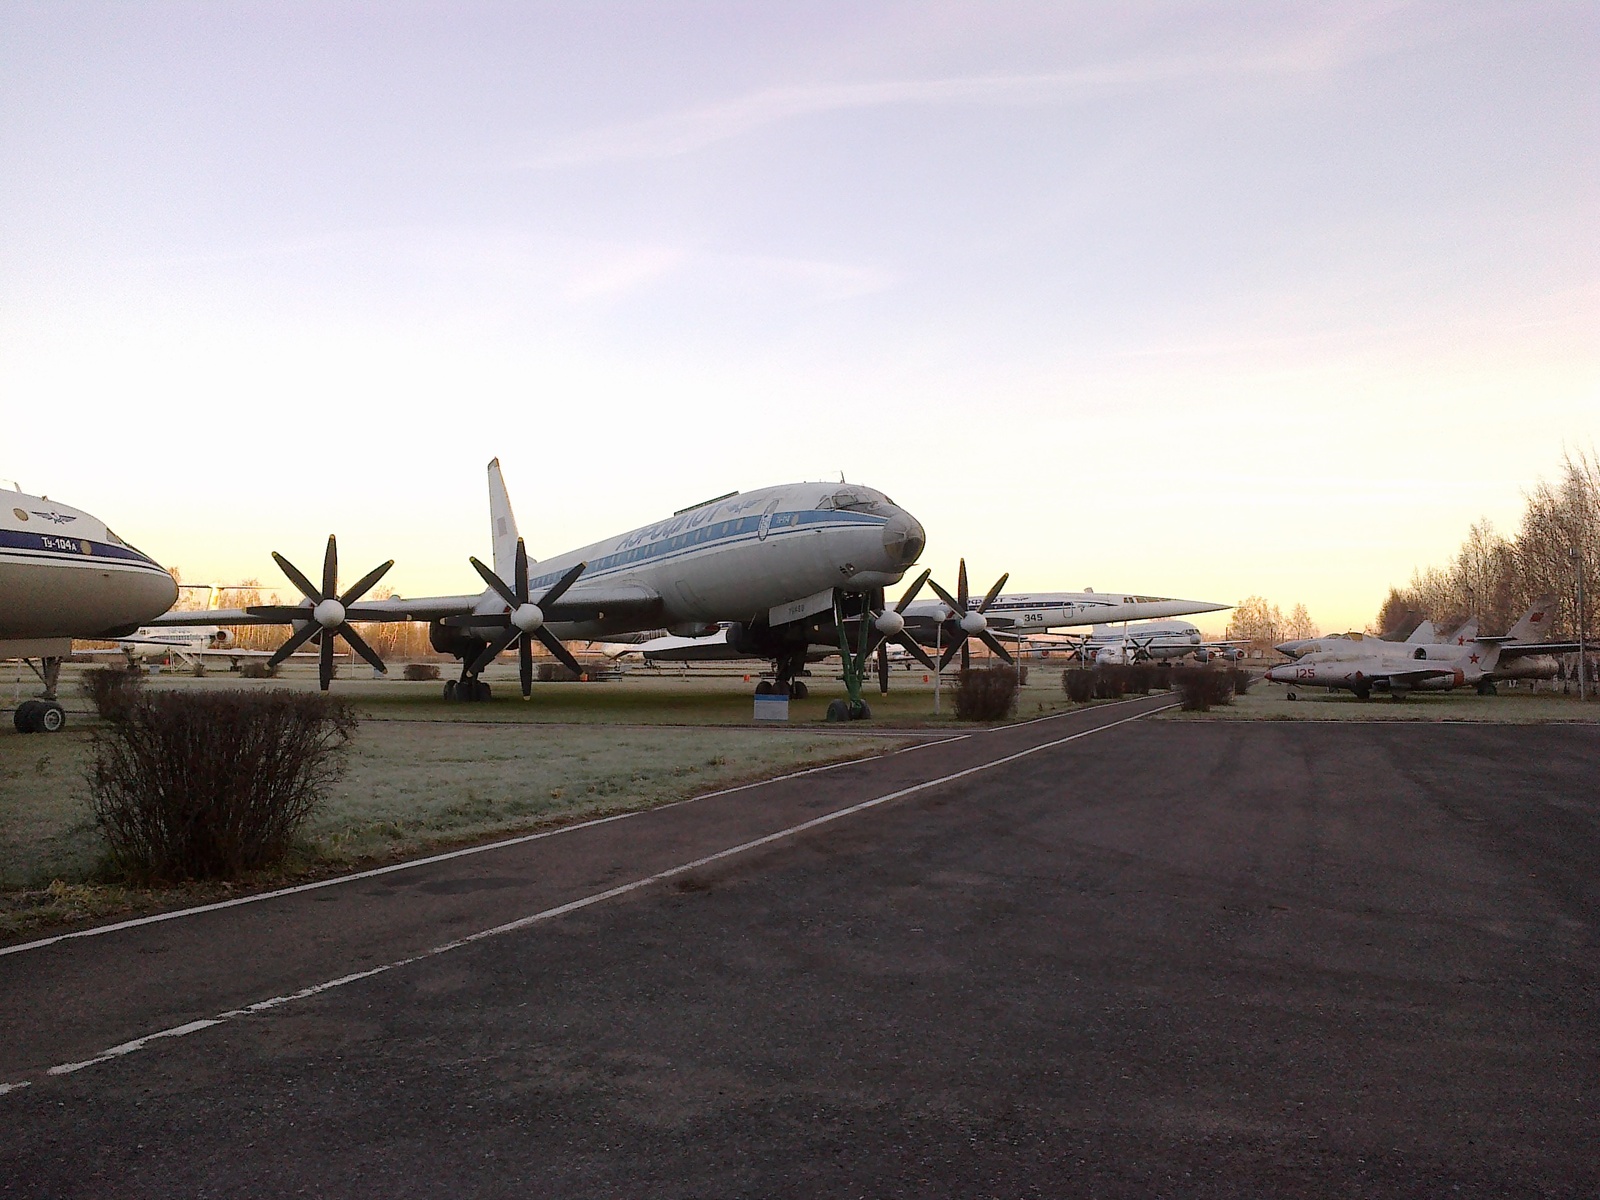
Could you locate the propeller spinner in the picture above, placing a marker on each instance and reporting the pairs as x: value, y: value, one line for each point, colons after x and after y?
x: 325, y: 618
x: 524, y: 619
x: 965, y: 623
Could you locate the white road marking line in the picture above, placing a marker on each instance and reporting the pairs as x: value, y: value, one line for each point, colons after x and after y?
x: 412, y: 864
x: 571, y: 906
x: 1065, y: 712
x: 13, y: 1087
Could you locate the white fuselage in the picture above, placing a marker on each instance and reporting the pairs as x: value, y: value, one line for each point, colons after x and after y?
x: 1027, y: 612
x: 1397, y: 668
x: 735, y: 559
x: 63, y: 574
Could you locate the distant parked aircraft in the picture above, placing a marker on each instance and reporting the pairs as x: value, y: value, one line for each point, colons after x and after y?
x: 1401, y: 668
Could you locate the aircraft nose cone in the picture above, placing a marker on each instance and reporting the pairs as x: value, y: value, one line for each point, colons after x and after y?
x: 1273, y: 674
x: 903, y: 539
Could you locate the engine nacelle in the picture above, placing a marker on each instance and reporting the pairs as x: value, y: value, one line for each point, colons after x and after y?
x: 762, y: 641
x: 694, y: 629
x: 222, y: 638
x: 1202, y: 655
x: 449, y: 639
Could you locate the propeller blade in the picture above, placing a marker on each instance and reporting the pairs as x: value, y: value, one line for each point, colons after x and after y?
x: 519, y: 578
x: 299, y: 580
x: 325, y: 659
x: 330, y: 570
x: 911, y: 592
x: 525, y: 667
x: 359, y: 645
x: 994, y: 592
x: 559, y: 588
x: 495, y: 582
x: 961, y: 586
x: 365, y: 582
x: 966, y: 655
x: 950, y: 602
x: 492, y: 650
x: 994, y: 645
x: 296, y: 640
x: 950, y: 651
x: 916, y: 651
x: 883, y: 668
x: 553, y: 644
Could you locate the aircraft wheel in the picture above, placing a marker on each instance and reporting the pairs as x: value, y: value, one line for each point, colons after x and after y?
x: 449, y: 689
x: 1486, y: 687
x: 798, y: 690
x: 838, y: 710
x: 26, y: 716
x: 1362, y: 693
x: 764, y: 687
x: 861, y: 712
x: 1292, y: 696
x: 50, y: 717
x: 480, y: 690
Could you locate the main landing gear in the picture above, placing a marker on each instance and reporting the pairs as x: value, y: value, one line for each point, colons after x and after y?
x: 467, y: 689
x: 44, y: 714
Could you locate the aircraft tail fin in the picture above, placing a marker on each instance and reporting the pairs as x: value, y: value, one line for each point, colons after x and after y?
x: 1422, y: 635
x: 1467, y: 632
x: 1536, y: 622
x: 502, y: 523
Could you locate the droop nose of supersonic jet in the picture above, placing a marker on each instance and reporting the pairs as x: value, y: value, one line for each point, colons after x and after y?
x: 903, y: 539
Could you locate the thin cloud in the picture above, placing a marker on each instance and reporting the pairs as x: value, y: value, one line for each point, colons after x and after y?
x: 669, y: 135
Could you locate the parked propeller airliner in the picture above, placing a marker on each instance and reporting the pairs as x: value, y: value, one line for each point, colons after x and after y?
x: 765, y: 559
x: 64, y: 575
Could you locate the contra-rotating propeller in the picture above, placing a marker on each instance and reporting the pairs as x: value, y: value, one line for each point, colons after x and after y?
x: 524, y: 619
x: 964, y: 624
x: 325, y: 618
x: 889, y: 625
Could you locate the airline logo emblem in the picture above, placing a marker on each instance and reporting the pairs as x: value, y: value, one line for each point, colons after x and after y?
x: 53, y: 516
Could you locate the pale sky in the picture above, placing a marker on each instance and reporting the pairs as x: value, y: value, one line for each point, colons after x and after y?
x: 1192, y: 300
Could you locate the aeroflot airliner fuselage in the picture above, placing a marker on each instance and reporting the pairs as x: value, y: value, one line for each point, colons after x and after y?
x: 63, y: 574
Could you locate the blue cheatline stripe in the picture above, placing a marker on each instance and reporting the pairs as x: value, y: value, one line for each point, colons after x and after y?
x: 720, y: 534
x: 64, y: 546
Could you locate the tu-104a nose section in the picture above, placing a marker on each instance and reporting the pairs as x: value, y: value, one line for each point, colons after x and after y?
x: 889, y: 542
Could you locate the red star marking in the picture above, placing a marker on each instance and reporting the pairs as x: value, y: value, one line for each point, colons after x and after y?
x: 1536, y: 618
x: 1461, y: 641
x: 1472, y: 658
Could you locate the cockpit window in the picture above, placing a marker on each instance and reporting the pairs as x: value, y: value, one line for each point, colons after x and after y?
x: 114, y: 539
x: 851, y: 500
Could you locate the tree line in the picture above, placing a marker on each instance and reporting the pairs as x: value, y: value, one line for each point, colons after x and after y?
x: 1496, y: 578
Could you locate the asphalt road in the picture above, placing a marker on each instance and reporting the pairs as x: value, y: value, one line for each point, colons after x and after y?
x: 1161, y: 959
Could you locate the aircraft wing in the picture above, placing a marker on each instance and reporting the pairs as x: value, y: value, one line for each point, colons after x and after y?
x: 595, y: 602
x: 1521, y: 649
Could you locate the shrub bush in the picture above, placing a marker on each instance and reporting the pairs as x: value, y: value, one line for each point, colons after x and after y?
x: 110, y: 690
x: 1242, y: 680
x: 1110, y: 682
x: 1161, y: 679
x: 258, y: 670
x: 194, y: 785
x: 986, y: 693
x: 1078, y: 683
x: 1141, y: 678
x: 1200, y: 687
x: 417, y: 672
